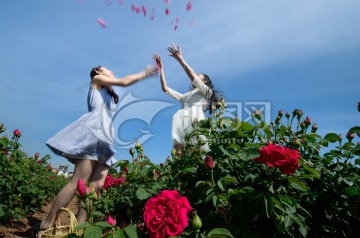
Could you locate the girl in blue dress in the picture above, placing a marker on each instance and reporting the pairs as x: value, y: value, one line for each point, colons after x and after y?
x: 88, y: 142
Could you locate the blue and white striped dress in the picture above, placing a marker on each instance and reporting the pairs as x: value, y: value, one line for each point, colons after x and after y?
x: 91, y: 136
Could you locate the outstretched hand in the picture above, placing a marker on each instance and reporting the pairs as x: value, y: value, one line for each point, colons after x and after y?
x: 150, y: 70
x: 175, y: 51
x: 158, y: 61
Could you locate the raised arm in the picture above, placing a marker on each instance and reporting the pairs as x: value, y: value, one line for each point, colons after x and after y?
x: 176, y: 95
x: 106, y: 77
x: 177, y: 54
x: 160, y: 68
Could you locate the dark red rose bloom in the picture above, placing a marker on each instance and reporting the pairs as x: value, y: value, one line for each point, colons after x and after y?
x: 209, y: 162
x: 280, y: 157
x: 165, y: 214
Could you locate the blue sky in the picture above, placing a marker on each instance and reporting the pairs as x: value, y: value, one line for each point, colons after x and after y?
x: 288, y: 54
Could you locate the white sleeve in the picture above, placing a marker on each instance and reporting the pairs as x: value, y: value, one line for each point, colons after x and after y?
x: 176, y: 95
x: 203, y: 88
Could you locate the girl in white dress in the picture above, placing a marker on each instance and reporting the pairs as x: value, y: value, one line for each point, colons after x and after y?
x: 194, y: 103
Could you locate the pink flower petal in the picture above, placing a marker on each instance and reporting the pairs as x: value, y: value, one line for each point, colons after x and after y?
x: 192, y: 22
x: 167, y: 11
x: 101, y: 22
x: 188, y: 6
x: 144, y: 9
x: 121, y: 2
x: 168, y: 1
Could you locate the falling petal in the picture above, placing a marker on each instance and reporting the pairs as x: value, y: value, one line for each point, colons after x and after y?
x: 121, y: 2
x: 167, y: 11
x: 192, y: 22
x: 101, y: 22
x: 175, y: 27
x: 144, y: 9
x: 177, y: 20
x: 188, y: 6
x: 168, y: 1
x: 152, y: 15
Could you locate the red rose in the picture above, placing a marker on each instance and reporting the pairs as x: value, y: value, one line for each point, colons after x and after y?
x: 280, y: 157
x: 17, y: 133
x: 209, y: 162
x: 165, y: 214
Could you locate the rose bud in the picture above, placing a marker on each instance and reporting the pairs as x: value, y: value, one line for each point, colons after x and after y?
x: 349, y: 136
x: 137, y: 145
x: 111, y: 221
x: 17, y: 133
x: 209, y: 162
x: 307, y: 121
x: 2, y: 128
x: 300, y: 113
x: 131, y: 152
x: 195, y: 122
x: 314, y: 128
x: 196, y: 222
x: 278, y: 120
x: 287, y: 115
x: 296, y: 112
x: 340, y: 138
x: 236, y: 119
x: 37, y: 155
x: 280, y: 113
x: 126, y: 170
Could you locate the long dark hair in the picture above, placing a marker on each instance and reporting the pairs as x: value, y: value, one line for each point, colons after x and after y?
x: 109, y: 89
x: 213, y: 97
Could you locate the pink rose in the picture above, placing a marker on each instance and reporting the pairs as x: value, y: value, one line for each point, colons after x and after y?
x: 82, y: 189
x: 165, y: 214
x: 111, y: 221
x: 280, y: 157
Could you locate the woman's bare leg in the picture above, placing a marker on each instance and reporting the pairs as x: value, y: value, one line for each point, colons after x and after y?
x: 83, y: 170
x: 97, y: 179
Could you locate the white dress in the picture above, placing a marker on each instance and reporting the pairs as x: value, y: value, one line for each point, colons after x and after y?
x: 91, y: 136
x: 193, y: 104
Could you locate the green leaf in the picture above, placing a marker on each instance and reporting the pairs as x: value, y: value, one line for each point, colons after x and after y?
x: 103, y: 224
x: 220, y: 233
x: 314, y: 172
x: 332, y: 137
x: 82, y: 226
x: 133, y: 231
x: 93, y: 232
x: 268, y: 206
x: 229, y: 179
x: 142, y: 194
x: 221, y: 185
x: 352, y: 191
x: 119, y: 234
x: 298, y: 184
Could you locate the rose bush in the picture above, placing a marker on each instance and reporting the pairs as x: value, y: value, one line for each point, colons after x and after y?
x: 166, y: 214
x: 25, y: 184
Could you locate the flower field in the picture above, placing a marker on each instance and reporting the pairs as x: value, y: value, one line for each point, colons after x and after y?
x: 257, y: 180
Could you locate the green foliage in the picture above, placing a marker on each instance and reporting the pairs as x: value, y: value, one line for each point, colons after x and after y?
x: 242, y: 198
x: 26, y: 183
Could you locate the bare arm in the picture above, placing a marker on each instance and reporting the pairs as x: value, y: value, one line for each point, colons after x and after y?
x: 104, y: 80
x: 177, y: 54
x: 164, y: 86
x: 159, y: 64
